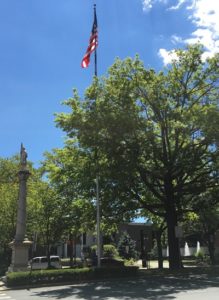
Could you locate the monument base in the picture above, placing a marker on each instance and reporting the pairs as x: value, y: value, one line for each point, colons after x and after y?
x: 19, y: 261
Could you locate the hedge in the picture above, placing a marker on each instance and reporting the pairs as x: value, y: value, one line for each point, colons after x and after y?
x: 36, y: 277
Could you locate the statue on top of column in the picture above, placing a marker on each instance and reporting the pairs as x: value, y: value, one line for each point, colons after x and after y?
x: 23, y: 156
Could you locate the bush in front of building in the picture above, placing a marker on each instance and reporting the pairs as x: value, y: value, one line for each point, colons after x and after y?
x: 127, y: 247
x: 109, y: 250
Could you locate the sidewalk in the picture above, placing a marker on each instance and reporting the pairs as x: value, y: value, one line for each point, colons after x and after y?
x: 2, y: 285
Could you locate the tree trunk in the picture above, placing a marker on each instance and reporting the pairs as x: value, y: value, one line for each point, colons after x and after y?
x: 159, y: 249
x: 173, y: 242
x: 71, y: 250
x: 74, y: 249
x: 211, y: 248
x: 48, y: 255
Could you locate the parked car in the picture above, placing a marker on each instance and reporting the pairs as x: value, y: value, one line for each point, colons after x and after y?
x: 41, y: 262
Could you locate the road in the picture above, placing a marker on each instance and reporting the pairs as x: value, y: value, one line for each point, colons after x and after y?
x: 156, y: 288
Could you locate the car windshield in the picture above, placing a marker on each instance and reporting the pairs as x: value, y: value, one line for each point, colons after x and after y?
x: 44, y: 259
x: 54, y: 259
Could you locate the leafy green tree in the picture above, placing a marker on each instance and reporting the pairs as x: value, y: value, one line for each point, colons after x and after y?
x: 8, y: 204
x: 50, y: 221
x: 44, y: 208
x: 80, y: 219
x: 71, y: 171
x: 146, y: 135
x: 9, y: 190
x: 66, y: 171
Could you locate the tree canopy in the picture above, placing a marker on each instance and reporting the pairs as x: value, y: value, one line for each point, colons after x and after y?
x: 151, y: 137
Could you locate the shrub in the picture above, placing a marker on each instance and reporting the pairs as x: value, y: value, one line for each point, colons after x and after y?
x: 66, y: 275
x: 127, y: 247
x: 109, y: 250
x: 111, y: 262
x: 4, y: 262
x: 46, y: 276
x: 129, y: 262
x: 87, y: 251
x: 105, y: 272
x: 199, y: 255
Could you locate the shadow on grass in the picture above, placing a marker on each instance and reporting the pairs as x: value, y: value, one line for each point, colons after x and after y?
x: 148, y: 285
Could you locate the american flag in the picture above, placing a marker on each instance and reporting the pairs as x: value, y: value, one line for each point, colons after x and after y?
x: 93, y: 43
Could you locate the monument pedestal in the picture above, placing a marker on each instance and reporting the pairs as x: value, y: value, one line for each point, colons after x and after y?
x: 19, y: 260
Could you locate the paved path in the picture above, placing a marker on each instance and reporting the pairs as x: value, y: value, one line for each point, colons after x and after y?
x: 3, y: 293
x: 192, y: 287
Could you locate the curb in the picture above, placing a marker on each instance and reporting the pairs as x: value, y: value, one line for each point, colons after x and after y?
x: 2, y: 286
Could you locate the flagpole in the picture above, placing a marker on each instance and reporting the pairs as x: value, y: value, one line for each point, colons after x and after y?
x: 98, y: 224
x: 97, y: 177
x: 95, y: 52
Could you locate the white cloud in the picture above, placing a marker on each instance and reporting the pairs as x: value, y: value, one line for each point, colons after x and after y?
x: 178, y: 5
x: 148, y: 4
x: 175, y: 39
x: 192, y: 4
x: 204, y: 36
x: 204, y: 14
x: 167, y: 56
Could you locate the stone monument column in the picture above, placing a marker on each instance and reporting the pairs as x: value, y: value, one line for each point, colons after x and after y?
x: 20, y: 245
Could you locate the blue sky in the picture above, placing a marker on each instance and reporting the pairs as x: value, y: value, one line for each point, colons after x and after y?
x: 43, y: 42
